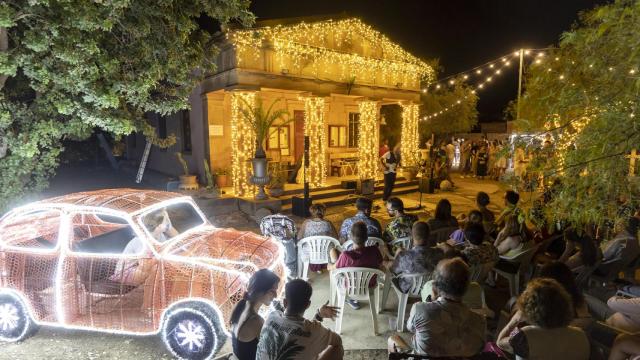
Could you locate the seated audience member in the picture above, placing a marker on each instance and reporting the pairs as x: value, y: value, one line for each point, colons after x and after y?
x: 422, y: 258
x: 401, y: 223
x: 562, y: 274
x: 511, y: 208
x: 363, y: 205
x: 540, y: 328
x: 457, y: 237
x: 443, y: 217
x: 579, y: 250
x: 627, y: 313
x: 624, y: 245
x: 316, y: 226
x: 245, y: 321
x: 477, y: 251
x: 626, y: 346
x: 510, y: 238
x: 135, y: 272
x: 488, y: 217
x: 446, y: 326
x: 359, y: 256
x: 289, y: 335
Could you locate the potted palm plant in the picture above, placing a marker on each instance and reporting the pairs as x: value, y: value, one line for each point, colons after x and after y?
x: 262, y: 121
x: 187, y: 181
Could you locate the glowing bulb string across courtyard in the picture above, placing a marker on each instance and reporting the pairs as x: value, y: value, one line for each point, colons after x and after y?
x: 537, y: 57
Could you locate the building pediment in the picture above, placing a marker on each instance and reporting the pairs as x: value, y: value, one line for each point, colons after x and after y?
x: 344, y: 50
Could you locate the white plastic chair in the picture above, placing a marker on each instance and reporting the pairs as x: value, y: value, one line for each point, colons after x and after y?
x: 405, y: 242
x: 317, y: 252
x: 479, y: 272
x: 474, y: 298
x: 416, y: 281
x: 371, y: 241
x: 353, y: 283
x: 522, y: 260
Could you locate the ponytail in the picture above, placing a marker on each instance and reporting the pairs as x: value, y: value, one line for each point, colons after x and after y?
x: 237, y: 310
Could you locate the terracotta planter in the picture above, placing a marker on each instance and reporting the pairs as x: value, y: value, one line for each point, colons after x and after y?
x: 188, y: 182
x: 222, y: 181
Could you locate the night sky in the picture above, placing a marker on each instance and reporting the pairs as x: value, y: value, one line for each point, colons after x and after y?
x: 460, y: 33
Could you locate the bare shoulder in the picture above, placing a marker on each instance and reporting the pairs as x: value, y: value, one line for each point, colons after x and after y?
x: 250, y: 329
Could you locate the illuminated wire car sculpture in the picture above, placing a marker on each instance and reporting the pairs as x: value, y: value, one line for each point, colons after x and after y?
x: 126, y: 261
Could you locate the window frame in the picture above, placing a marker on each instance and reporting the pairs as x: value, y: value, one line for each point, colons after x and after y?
x: 105, y: 212
x: 346, y: 136
x: 277, y: 129
x: 4, y: 246
x: 140, y: 215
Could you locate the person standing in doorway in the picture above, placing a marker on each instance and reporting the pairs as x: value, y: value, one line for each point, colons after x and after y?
x: 390, y: 161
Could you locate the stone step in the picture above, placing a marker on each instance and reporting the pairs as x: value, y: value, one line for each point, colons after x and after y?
x: 399, y: 189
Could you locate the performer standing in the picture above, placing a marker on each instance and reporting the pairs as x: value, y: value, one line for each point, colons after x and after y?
x: 390, y: 161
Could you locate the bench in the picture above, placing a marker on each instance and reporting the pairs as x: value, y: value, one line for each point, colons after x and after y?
x: 342, y: 162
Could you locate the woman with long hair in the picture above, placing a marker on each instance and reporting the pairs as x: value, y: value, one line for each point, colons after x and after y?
x: 580, y: 250
x: 245, y: 321
x: 443, y: 217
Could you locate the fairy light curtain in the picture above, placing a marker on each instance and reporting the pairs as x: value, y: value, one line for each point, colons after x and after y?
x: 410, y: 142
x: 351, y: 45
x: 243, y: 145
x: 314, y: 128
x: 368, y: 140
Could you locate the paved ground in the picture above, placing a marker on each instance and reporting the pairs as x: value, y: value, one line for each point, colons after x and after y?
x: 357, y: 331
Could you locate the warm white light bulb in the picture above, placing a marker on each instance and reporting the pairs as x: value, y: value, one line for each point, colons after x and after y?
x: 561, y: 77
x: 632, y: 71
x: 438, y: 86
x: 451, y: 82
x: 478, y: 71
x: 491, y: 66
x: 507, y: 63
x: 424, y: 90
x: 489, y: 79
x: 538, y: 61
x: 527, y: 52
x: 480, y: 86
x: 465, y: 77
x: 498, y: 72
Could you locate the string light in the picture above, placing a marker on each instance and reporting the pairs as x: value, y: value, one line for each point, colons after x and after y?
x: 243, y: 145
x: 314, y: 128
x: 410, y: 139
x: 317, y: 46
x: 368, y: 139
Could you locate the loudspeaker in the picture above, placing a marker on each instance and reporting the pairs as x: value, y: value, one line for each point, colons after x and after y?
x: 427, y: 185
x: 299, y: 207
x: 365, y: 187
x: 349, y: 184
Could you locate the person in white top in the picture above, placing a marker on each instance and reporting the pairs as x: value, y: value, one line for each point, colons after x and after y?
x: 135, y: 271
x: 288, y: 335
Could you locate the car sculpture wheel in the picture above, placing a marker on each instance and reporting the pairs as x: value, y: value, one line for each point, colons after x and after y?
x: 126, y: 261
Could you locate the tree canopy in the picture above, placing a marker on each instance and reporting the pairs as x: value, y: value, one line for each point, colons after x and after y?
x: 460, y: 117
x: 70, y: 67
x: 584, y: 95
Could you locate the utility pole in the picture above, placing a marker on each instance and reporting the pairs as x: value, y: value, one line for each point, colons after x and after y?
x: 519, y: 83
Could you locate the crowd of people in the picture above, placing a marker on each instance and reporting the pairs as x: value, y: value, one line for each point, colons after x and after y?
x: 549, y: 319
